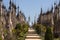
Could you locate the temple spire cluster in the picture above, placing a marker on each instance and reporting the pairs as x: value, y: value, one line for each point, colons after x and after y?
x: 51, y: 18
x: 9, y: 19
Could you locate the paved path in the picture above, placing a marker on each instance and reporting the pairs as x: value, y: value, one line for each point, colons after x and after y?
x: 32, y: 35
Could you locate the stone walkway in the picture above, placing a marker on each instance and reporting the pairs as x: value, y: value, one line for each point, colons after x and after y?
x: 32, y: 35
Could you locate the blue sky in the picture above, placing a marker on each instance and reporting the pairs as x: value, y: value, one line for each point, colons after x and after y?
x: 32, y: 7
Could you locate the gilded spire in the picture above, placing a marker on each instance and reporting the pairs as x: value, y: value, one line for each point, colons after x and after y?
x: 18, y: 9
x: 12, y: 5
x: 41, y: 10
x: 59, y: 3
x: 10, y: 2
x: 29, y: 19
x: 54, y: 3
x: 52, y: 9
x: 35, y: 18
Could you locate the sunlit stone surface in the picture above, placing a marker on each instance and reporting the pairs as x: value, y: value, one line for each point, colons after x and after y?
x: 32, y: 35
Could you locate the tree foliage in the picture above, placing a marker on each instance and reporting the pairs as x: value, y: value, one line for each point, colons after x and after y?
x: 39, y: 28
x: 20, y: 31
x: 0, y: 37
x: 48, y: 34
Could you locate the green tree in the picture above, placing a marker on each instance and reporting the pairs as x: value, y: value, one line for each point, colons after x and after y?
x: 48, y: 34
x: 37, y: 27
x: 0, y: 37
x: 20, y: 31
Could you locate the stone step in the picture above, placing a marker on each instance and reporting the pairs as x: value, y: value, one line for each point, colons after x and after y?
x: 32, y: 35
x: 31, y: 30
x: 32, y: 39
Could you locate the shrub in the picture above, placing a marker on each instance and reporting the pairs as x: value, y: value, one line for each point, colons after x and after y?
x: 39, y: 28
x: 20, y: 31
x: 0, y: 37
x: 48, y: 34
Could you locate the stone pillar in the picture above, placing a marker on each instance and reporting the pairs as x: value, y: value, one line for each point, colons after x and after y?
x: 1, y: 21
